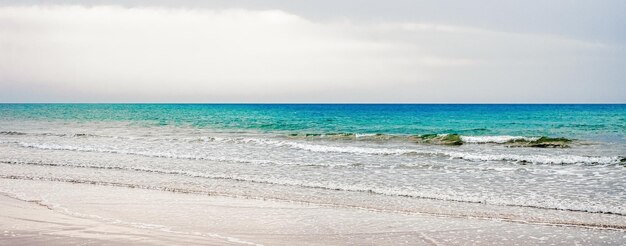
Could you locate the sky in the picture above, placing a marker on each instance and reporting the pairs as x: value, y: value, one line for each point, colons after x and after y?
x: 352, y: 51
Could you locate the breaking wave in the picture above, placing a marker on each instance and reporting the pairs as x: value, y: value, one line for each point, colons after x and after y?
x: 495, y: 139
x: 463, y: 155
x: 333, y: 186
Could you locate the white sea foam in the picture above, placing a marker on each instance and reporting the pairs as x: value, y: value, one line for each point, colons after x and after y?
x: 161, y: 154
x: 464, y: 155
x: 494, y: 139
x: 314, y: 147
x: 339, y: 186
x: 347, y: 149
x: 537, y: 159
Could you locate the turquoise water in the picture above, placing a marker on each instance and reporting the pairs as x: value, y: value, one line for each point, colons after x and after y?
x: 599, y: 122
x: 363, y: 156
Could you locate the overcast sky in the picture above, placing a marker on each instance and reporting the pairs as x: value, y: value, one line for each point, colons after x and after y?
x: 313, y: 51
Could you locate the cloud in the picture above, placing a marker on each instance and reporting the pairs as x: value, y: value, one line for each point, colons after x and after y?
x: 112, y: 53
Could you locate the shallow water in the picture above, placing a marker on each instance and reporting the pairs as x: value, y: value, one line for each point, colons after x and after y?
x: 78, y: 213
x: 343, y: 155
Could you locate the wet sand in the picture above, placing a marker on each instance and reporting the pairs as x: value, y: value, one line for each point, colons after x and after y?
x: 55, y: 213
x: 32, y: 223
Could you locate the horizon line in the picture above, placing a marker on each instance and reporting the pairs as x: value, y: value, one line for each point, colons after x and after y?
x: 339, y: 103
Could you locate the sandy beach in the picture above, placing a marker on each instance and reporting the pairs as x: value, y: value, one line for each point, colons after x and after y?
x: 32, y: 223
x: 55, y: 213
x: 121, y: 183
x: 312, y: 122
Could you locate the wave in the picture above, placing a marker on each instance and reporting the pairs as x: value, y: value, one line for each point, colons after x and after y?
x: 170, y: 155
x: 463, y: 155
x: 157, y: 154
x: 445, y: 139
x: 380, y: 136
x: 540, y: 159
x: 16, y: 133
x: 436, y: 139
x: 318, y: 147
x: 332, y: 186
x: 534, y: 159
x: 12, y: 133
x: 456, y: 214
x: 495, y: 139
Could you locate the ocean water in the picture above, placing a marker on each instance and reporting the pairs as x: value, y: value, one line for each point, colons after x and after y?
x: 358, y: 156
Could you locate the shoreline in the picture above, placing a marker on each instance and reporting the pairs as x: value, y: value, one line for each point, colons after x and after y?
x: 32, y: 223
x: 80, y: 213
x: 482, y: 211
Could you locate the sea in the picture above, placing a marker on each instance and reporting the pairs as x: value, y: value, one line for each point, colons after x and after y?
x: 380, y: 157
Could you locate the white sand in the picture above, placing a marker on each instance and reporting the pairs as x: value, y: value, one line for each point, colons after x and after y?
x: 29, y: 223
x: 55, y: 213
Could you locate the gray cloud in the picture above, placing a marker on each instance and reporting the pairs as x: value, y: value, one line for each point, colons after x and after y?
x: 143, y: 53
